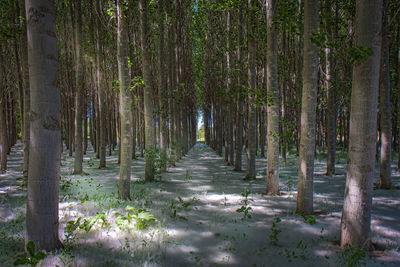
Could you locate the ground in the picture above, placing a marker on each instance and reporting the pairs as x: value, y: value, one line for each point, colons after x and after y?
x: 206, y: 215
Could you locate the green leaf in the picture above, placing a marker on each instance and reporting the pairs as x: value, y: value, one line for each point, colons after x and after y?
x: 40, y: 255
x: 30, y: 247
x: 21, y: 262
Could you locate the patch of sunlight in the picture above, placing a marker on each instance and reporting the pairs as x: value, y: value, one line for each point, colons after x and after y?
x: 223, y: 258
x: 386, y: 231
x: 200, y: 188
x: 323, y: 253
x: 7, y: 189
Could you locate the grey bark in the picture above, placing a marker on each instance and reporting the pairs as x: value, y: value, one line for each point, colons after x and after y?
x: 45, y: 134
x: 162, y: 89
x: 79, y: 90
x: 148, y: 91
x: 239, y: 102
x: 356, y: 216
x: 252, y: 117
x: 384, y: 106
x: 125, y: 106
x: 308, y: 110
x: 273, y: 107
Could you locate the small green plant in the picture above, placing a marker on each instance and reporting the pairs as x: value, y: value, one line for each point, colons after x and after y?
x: 159, y: 159
x: 245, y: 208
x: 352, y: 256
x: 34, y: 257
x: 139, y: 217
x: 275, y: 231
x: 24, y: 181
x: 184, y: 204
x: 85, y: 224
x: 66, y: 185
x: 90, y: 162
x: 309, y: 219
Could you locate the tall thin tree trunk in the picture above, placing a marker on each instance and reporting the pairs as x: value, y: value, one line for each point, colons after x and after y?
x: 332, y: 109
x: 79, y: 90
x: 43, y: 179
x: 356, y: 216
x: 3, y: 119
x: 162, y: 89
x: 273, y: 108
x: 308, y: 110
x: 148, y: 92
x: 384, y: 106
x: 239, y: 102
x: 252, y: 111
x: 27, y: 101
x: 125, y: 106
x: 101, y: 100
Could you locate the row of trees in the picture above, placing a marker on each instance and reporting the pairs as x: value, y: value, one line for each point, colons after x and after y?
x: 273, y: 74
x: 123, y: 71
x: 303, y: 75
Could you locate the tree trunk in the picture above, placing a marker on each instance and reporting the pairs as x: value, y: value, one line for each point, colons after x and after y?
x: 162, y: 90
x: 356, y: 215
x: 79, y: 90
x: 148, y: 92
x: 274, y: 105
x: 125, y: 106
x: 101, y: 101
x: 239, y: 102
x: 332, y: 109
x: 252, y: 112
x: 45, y: 149
x: 308, y: 110
x: 27, y: 101
x: 384, y: 106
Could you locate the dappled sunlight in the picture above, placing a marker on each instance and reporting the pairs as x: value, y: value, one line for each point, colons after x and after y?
x: 197, y: 208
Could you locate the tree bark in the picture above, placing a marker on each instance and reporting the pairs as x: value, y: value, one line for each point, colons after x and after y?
x: 45, y: 149
x: 308, y: 110
x: 125, y: 106
x: 384, y: 106
x: 356, y: 215
x: 252, y: 112
x: 162, y: 89
x: 79, y: 90
x: 239, y: 102
x: 332, y: 109
x: 274, y: 105
x: 148, y: 92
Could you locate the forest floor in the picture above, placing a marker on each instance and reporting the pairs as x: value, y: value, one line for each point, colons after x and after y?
x: 206, y: 215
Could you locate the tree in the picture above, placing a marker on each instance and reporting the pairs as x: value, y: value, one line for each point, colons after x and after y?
x: 308, y: 110
x: 273, y: 105
x: 162, y: 89
x: 3, y: 124
x: 45, y: 146
x: 79, y: 90
x: 125, y: 104
x: 356, y: 216
x: 148, y: 91
x: 384, y: 106
x: 331, y: 103
x: 239, y: 100
x: 252, y: 112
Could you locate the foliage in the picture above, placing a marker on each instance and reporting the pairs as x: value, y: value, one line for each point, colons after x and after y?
x: 34, y: 257
x: 309, y: 219
x: 245, y: 208
x: 85, y: 224
x: 352, y: 256
x: 275, y: 231
x: 140, y: 218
